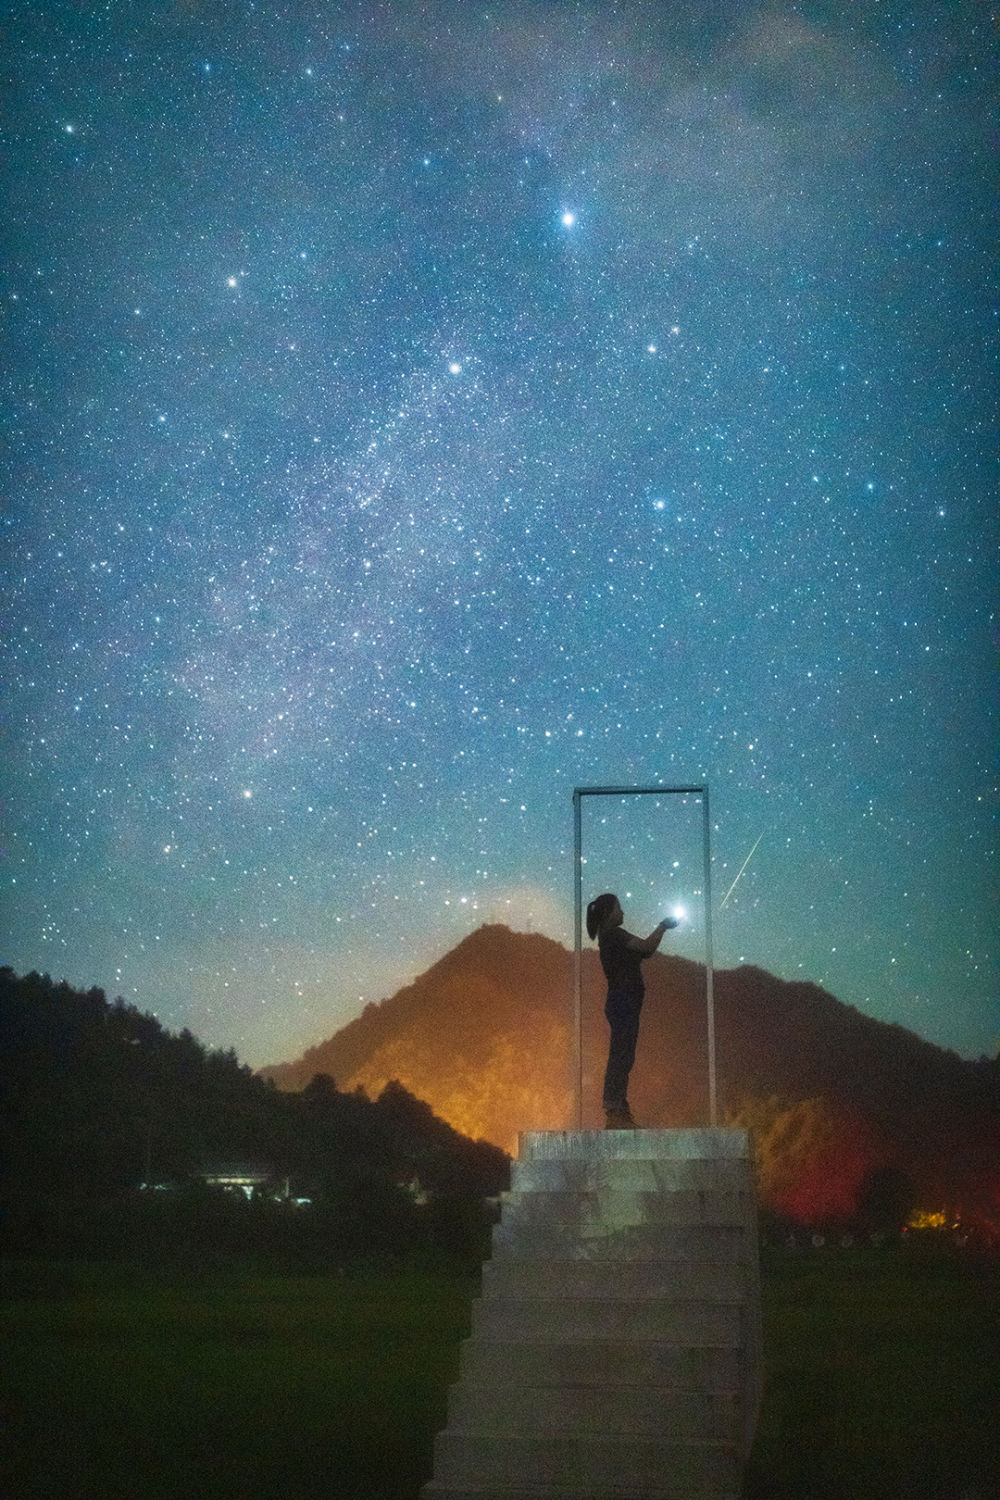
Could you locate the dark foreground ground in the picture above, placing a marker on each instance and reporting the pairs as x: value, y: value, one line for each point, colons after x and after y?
x: 883, y: 1381
x: 882, y: 1374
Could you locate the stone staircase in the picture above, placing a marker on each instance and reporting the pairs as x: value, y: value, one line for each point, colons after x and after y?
x: 615, y: 1350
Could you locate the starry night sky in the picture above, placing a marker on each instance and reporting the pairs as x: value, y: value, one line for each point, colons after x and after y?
x: 418, y: 410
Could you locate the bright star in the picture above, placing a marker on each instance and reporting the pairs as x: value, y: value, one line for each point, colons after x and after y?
x: 568, y: 219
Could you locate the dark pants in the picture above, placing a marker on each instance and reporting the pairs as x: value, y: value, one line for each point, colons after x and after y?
x: 622, y: 1010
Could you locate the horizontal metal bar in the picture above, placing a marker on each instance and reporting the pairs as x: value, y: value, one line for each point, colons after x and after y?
x: 634, y: 791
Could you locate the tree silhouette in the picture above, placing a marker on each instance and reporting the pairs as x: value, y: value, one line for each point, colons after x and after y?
x: 99, y: 1100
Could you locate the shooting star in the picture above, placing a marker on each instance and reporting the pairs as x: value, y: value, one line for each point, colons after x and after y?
x: 742, y: 868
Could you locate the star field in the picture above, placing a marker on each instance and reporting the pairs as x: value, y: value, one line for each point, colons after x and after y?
x: 415, y: 412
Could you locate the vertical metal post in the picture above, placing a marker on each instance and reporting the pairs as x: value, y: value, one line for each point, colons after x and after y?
x: 577, y: 946
x: 709, y: 978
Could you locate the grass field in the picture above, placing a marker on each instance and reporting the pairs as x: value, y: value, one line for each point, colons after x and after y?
x: 882, y: 1378
x: 883, y: 1373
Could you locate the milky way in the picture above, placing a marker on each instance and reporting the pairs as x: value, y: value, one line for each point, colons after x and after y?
x: 417, y: 411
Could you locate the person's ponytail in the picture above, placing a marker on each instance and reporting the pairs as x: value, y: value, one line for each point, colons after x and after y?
x: 600, y: 908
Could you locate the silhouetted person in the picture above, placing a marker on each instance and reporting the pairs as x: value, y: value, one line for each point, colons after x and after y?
x: 621, y: 955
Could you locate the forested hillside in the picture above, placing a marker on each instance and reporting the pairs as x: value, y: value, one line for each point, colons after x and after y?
x: 105, y: 1113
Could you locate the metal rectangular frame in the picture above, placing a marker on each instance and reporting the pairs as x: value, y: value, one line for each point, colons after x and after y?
x: 639, y: 791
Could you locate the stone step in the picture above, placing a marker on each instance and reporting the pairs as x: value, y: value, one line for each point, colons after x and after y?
x: 538, y: 1237
x: 495, y: 1363
x: 534, y: 1276
x: 689, y: 1322
x: 612, y: 1206
x: 650, y: 1411
x: 574, y: 1175
x: 611, y: 1491
x: 660, y: 1466
x: 634, y: 1145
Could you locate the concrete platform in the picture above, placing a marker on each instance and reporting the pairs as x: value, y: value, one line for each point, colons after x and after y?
x: 615, y: 1351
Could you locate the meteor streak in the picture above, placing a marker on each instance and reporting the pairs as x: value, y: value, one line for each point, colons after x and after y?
x: 742, y: 868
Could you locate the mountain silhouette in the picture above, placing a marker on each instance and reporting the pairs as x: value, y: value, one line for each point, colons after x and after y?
x: 850, y: 1116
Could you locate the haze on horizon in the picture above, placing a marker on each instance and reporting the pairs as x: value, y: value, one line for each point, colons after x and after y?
x: 413, y: 417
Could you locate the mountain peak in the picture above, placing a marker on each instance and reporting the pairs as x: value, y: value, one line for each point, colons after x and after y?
x: 486, y: 1036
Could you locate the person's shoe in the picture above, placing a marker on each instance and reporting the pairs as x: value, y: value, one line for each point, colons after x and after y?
x: 619, y: 1119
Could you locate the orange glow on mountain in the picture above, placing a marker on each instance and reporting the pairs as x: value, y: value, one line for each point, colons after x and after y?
x: 489, y: 1095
